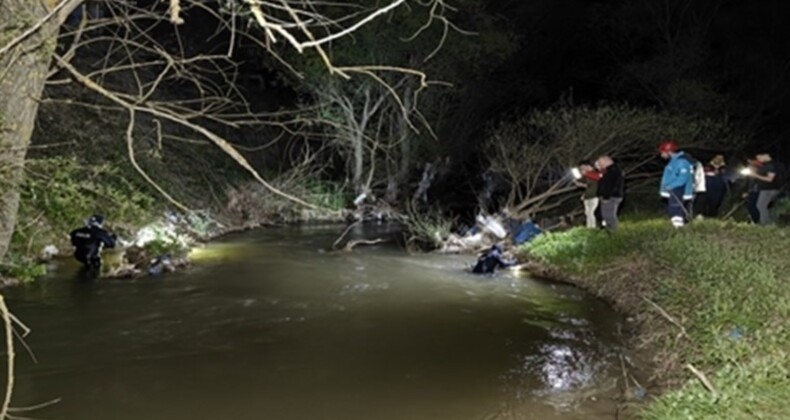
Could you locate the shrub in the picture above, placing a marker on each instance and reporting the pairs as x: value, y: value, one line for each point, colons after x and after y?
x: 64, y: 192
x: 328, y: 195
x: 57, y: 195
x: 782, y: 207
x: 429, y: 228
x: 22, y: 269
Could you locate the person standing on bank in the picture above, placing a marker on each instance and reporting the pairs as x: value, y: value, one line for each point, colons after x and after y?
x: 752, y: 191
x: 767, y: 185
x: 715, y: 187
x: 610, y: 191
x: 589, y: 181
x: 677, y: 183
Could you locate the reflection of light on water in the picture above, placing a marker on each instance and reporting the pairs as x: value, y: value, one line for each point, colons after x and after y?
x: 563, y: 373
x: 216, y: 252
x: 358, y: 288
x: 562, y: 334
x: 564, y: 368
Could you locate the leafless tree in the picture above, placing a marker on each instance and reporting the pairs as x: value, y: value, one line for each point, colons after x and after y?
x: 534, y: 152
x: 143, y: 67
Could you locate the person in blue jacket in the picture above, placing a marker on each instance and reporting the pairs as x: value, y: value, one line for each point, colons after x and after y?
x: 677, y: 183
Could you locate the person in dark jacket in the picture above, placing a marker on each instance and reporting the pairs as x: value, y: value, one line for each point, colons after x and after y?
x: 491, y: 260
x: 90, y: 240
x: 752, y: 190
x: 610, y: 191
x: 767, y: 183
x: 716, y: 187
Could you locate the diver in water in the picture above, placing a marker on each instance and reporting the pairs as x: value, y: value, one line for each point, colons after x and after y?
x: 491, y: 260
x: 90, y: 240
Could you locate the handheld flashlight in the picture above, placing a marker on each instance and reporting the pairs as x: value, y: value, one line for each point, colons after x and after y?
x: 746, y: 171
x: 577, y: 174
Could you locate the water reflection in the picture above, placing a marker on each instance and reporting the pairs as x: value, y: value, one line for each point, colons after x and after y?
x: 293, y: 332
x: 567, y: 370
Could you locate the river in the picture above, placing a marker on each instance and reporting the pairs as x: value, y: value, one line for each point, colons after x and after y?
x: 269, y: 325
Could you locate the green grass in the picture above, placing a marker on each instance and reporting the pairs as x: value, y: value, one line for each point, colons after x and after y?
x: 725, y: 283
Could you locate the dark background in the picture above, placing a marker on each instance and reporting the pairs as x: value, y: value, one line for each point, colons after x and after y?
x: 588, y: 51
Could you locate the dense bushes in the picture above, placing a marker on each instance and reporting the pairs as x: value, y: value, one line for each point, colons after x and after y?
x: 66, y: 192
x: 57, y: 195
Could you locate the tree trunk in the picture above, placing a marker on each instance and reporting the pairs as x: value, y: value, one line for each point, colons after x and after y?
x: 404, y: 136
x: 23, y: 71
x: 359, y: 161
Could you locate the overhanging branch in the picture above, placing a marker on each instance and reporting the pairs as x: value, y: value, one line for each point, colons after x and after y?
x: 220, y: 142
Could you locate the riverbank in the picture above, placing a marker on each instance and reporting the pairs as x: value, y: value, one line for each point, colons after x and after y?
x: 74, y: 170
x: 159, y: 235
x: 711, y: 301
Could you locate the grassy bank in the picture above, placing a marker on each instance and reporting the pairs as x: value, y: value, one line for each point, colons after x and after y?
x: 713, y: 296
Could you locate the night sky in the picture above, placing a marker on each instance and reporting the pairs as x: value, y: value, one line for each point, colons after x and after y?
x: 599, y: 50
x: 707, y: 58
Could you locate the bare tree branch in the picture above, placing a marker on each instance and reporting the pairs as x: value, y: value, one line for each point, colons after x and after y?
x: 223, y: 144
x: 64, y: 5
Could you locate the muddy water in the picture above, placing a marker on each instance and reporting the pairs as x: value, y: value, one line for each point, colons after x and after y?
x: 270, y: 326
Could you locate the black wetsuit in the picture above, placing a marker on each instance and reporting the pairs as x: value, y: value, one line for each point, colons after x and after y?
x: 88, y: 242
x: 489, y: 262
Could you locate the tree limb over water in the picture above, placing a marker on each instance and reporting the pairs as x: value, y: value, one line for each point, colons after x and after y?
x: 142, y: 67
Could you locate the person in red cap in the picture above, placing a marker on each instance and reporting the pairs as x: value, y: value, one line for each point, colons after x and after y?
x: 677, y: 183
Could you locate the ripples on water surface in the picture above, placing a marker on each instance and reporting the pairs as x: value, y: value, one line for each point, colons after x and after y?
x: 272, y: 327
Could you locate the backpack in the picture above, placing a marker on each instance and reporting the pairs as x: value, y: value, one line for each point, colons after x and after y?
x: 699, y: 178
x: 699, y: 173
